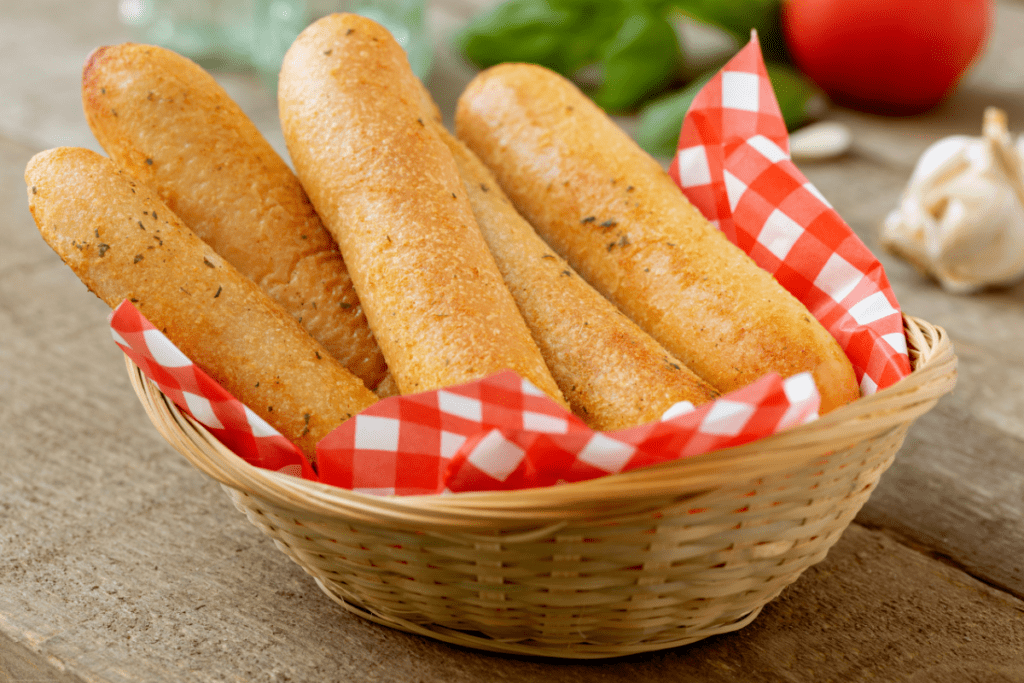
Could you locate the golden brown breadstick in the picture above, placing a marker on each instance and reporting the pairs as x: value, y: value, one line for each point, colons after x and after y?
x: 613, y: 374
x: 124, y: 243
x: 388, y: 189
x: 616, y: 216
x: 168, y: 123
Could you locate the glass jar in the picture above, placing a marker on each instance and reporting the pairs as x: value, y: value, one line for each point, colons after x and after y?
x: 238, y: 34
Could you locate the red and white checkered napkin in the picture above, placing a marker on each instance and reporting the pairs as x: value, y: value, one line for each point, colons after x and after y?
x: 733, y: 164
x: 500, y: 432
x: 406, y: 444
x: 503, y: 433
x: 196, y: 393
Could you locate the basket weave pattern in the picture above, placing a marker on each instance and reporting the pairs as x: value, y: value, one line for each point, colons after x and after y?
x: 633, y: 562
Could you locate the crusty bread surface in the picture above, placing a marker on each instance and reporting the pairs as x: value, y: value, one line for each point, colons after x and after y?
x: 620, y: 221
x: 167, y: 122
x: 124, y: 243
x: 613, y: 374
x: 389, y: 191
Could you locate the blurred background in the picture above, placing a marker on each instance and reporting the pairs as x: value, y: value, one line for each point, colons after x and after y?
x: 79, y: 512
x: 855, y: 62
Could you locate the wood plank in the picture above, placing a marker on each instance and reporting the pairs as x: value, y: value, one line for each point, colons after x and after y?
x: 19, y: 664
x: 964, y: 502
x: 119, y: 562
x: 874, y: 610
x: 957, y: 486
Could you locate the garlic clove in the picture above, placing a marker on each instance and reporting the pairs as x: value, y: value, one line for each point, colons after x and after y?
x: 819, y: 141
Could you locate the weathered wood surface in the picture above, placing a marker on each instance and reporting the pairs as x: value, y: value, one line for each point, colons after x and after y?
x: 957, y: 486
x: 119, y: 562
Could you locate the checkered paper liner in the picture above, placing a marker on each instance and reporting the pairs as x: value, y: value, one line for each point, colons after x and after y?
x: 196, y: 393
x: 733, y: 164
x: 502, y: 433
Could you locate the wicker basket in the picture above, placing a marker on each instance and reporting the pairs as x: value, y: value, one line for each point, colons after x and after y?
x: 632, y: 562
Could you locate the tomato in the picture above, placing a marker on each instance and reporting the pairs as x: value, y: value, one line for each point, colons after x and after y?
x: 886, y: 56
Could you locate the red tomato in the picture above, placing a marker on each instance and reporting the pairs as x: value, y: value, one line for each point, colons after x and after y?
x: 886, y: 56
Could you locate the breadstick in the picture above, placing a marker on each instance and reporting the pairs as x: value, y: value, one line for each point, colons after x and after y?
x: 168, y: 123
x: 616, y: 216
x: 613, y: 374
x: 388, y: 190
x: 124, y: 243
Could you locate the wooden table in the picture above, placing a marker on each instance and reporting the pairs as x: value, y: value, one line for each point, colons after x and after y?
x: 121, y: 563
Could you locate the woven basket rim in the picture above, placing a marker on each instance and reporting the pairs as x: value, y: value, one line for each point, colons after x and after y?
x: 934, y: 374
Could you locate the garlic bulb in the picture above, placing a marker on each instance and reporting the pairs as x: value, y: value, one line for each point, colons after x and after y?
x: 961, y: 217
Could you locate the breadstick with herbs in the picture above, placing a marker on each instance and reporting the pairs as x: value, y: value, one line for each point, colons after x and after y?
x: 124, y: 243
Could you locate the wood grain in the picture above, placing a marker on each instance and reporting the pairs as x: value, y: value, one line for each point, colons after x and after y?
x: 957, y: 487
x: 119, y: 562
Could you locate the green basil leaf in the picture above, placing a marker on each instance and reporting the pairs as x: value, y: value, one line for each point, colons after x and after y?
x: 798, y: 96
x: 520, y: 31
x: 737, y: 17
x: 661, y: 119
x: 598, y: 24
x: 563, y: 35
x: 638, y: 61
